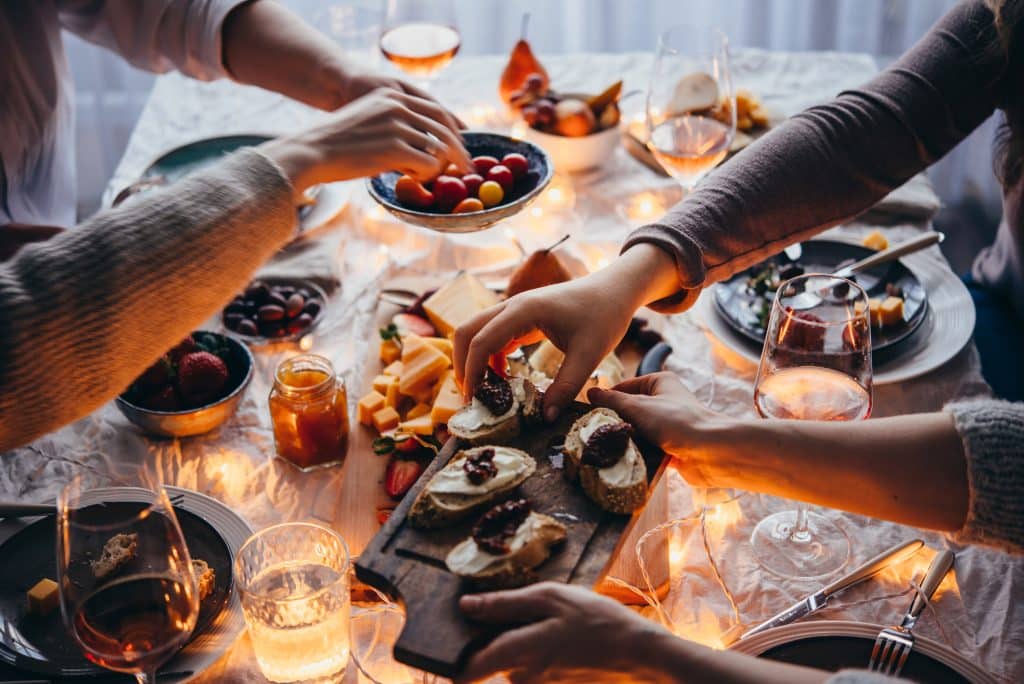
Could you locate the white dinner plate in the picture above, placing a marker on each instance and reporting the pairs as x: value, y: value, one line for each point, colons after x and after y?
x: 946, y: 330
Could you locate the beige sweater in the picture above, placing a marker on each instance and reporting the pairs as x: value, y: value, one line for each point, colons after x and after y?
x: 84, y: 313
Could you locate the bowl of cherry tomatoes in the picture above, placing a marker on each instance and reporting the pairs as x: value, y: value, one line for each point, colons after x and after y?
x: 508, y: 174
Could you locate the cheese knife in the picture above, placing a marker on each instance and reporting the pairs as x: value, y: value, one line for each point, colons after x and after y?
x: 820, y: 598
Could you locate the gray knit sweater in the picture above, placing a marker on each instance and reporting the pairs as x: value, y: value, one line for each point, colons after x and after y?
x: 84, y: 313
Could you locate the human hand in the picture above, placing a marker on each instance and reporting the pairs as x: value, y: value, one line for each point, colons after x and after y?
x: 14, y: 236
x: 385, y: 130
x: 357, y: 83
x: 570, y: 634
x: 585, y: 318
x: 666, y: 413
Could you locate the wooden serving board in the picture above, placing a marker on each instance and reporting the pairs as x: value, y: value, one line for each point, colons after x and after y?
x: 408, y: 564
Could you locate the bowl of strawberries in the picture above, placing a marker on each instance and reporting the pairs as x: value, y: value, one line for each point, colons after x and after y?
x: 508, y: 174
x: 191, y: 389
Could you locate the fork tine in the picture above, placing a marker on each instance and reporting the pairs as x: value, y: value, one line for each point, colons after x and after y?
x: 875, y: 652
x: 899, y: 649
x: 887, y: 653
x: 902, y: 660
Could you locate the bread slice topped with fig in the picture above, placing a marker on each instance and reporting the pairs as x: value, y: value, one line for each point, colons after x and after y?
x: 498, y: 410
x: 472, y: 480
x: 507, y: 545
x: 601, y: 454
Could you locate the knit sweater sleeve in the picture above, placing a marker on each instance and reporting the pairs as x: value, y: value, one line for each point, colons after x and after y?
x: 831, y: 162
x: 993, y: 437
x: 83, y: 314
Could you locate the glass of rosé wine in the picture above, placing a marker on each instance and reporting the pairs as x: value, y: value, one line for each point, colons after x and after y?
x: 420, y: 37
x: 691, y: 103
x: 815, y: 365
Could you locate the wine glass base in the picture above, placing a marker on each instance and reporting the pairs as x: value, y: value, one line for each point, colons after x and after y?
x: 823, y: 550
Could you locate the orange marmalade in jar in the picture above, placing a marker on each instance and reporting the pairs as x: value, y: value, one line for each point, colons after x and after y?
x: 309, y: 410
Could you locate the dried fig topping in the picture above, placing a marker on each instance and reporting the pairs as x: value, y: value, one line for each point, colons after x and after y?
x: 480, y: 466
x: 493, y: 531
x: 607, y: 445
x: 495, y: 393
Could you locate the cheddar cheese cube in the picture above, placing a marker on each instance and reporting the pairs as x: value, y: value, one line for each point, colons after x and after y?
x: 394, y: 369
x: 442, y: 344
x: 393, y: 397
x: 381, y: 382
x: 457, y: 302
x: 43, y: 598
x: 418, y: 426
x: 418, y: 410
x: 369, y: 405
x: 390, y: 351
x: 386, y: 419
x: 876, y: 241
x: 890, y: 311
x: 447, y: 402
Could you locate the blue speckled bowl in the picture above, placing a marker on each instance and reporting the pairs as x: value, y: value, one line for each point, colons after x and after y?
x: 382, y: 187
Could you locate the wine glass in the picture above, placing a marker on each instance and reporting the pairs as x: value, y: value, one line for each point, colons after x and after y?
x: 420, y: 37
x: 133, y: 616
x: 815, y: 365
x: 691, y: 104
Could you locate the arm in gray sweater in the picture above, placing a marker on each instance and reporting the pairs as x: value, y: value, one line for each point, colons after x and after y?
x: 84, y: 313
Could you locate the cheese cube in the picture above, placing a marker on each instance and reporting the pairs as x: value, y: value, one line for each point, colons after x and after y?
x: 442, y: 344
x: 422, y: 370
x: 457, y: 302
x: 447, y: 402
x: 385, y: 419
x: 418, y: 410
x: 368, y: 405
x: 43, y: 597
x: 891, y: 311
x: 381, y: 382
x: 390, y: 351
x: 876, y: 241
x: 394, y: 369
x: 441, y: 382
x: 418, y: 426
x: 393, y: 396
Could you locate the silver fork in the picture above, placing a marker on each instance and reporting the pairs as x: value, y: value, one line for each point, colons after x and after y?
x: 894, y: 644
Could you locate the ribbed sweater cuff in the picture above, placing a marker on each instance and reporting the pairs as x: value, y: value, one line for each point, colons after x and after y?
x: 993, y: 438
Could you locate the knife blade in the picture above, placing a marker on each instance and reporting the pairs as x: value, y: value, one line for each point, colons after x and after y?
x: 820, y: 598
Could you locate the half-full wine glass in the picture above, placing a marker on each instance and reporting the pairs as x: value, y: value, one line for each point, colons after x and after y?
x: 420, y: 37
x: 130, y: 616
x: 691, y: 104
x: 815, y: 365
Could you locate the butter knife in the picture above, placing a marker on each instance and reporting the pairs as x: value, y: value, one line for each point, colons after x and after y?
x: 818, y: 599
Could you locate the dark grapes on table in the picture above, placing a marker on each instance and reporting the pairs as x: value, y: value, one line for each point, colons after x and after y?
x: 272, y: 310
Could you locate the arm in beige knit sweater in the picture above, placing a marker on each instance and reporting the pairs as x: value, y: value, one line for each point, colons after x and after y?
x: 960, y: 471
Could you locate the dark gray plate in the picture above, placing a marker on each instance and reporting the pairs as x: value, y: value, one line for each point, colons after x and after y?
x: 741, y: 309
x: 43, y: 644
x: 382, y: 187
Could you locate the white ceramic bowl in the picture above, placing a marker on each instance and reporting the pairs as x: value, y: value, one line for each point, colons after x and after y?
x: 576, y: 154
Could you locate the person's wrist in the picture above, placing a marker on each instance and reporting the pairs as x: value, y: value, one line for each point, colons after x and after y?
x: 649, y: 273
x: 295, y: 160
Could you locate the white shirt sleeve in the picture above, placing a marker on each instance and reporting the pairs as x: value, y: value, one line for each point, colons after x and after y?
x: 157, y: 35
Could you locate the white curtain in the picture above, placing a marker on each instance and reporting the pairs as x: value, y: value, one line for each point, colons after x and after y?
x: 111, y: 94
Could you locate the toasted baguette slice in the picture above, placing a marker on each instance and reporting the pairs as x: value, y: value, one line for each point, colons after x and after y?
x: 515, y: 569
x: 439, y: 509
x: 206, y: 578
x: 526, y: 406
x: 118, y: 551
x: 624, y: 498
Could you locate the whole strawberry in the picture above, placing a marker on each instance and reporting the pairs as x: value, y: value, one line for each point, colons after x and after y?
x: 156, y: 376
x: 165, y: 399
x: 201, y: 377
x: 186, y: 346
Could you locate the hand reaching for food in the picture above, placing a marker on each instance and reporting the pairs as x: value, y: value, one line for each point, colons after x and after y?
x: 381, y: 131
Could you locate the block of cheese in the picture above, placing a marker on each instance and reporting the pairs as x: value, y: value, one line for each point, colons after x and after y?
x: 457, y: 302
x: 441, y: 382
x: 418, y: 426
x: 874, y: 311
x: 381, y: 382
x: 442, y: 344
x: 421, y: 367
x: 876, y: 241
x: 394, y: 369
x: 390, y: 351
x: 890, y: 312
x: 418, y: 410
x: 43, y: 597
x: 393, y: 396
x: 386, y: 419
x: 369, y: 405
x: 447, y: 402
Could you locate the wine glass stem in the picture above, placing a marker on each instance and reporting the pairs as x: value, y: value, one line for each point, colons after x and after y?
x: 148, y: 677
x: 800, y: 532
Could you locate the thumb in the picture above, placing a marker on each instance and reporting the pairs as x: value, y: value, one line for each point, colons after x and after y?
x: 528, y: 604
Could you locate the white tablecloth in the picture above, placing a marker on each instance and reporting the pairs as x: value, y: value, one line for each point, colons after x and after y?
x: 977, y: 613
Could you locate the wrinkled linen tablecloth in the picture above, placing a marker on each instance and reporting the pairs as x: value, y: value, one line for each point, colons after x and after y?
x: 979, y: 614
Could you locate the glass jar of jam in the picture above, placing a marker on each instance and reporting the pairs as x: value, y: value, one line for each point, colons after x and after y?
x: 309, y: 410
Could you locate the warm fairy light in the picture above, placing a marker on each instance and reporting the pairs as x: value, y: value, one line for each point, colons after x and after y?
x: 377, y: 213
x: 706, y: 629
x: 603, y: 263
x: 919, y: 568
x: 559, y: 195
x: 643, y: 207
x: 306, y: 343
x: 723, y: 517
x: 227, y: 474
x: 536, y: 212
x: 518, y: 130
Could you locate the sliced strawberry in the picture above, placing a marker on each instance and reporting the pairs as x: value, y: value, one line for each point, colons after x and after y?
x: 499, y: 364
x: 384, y: 514
x: 409, y: 445
x: 410, y: 323
x: 400, y: 476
